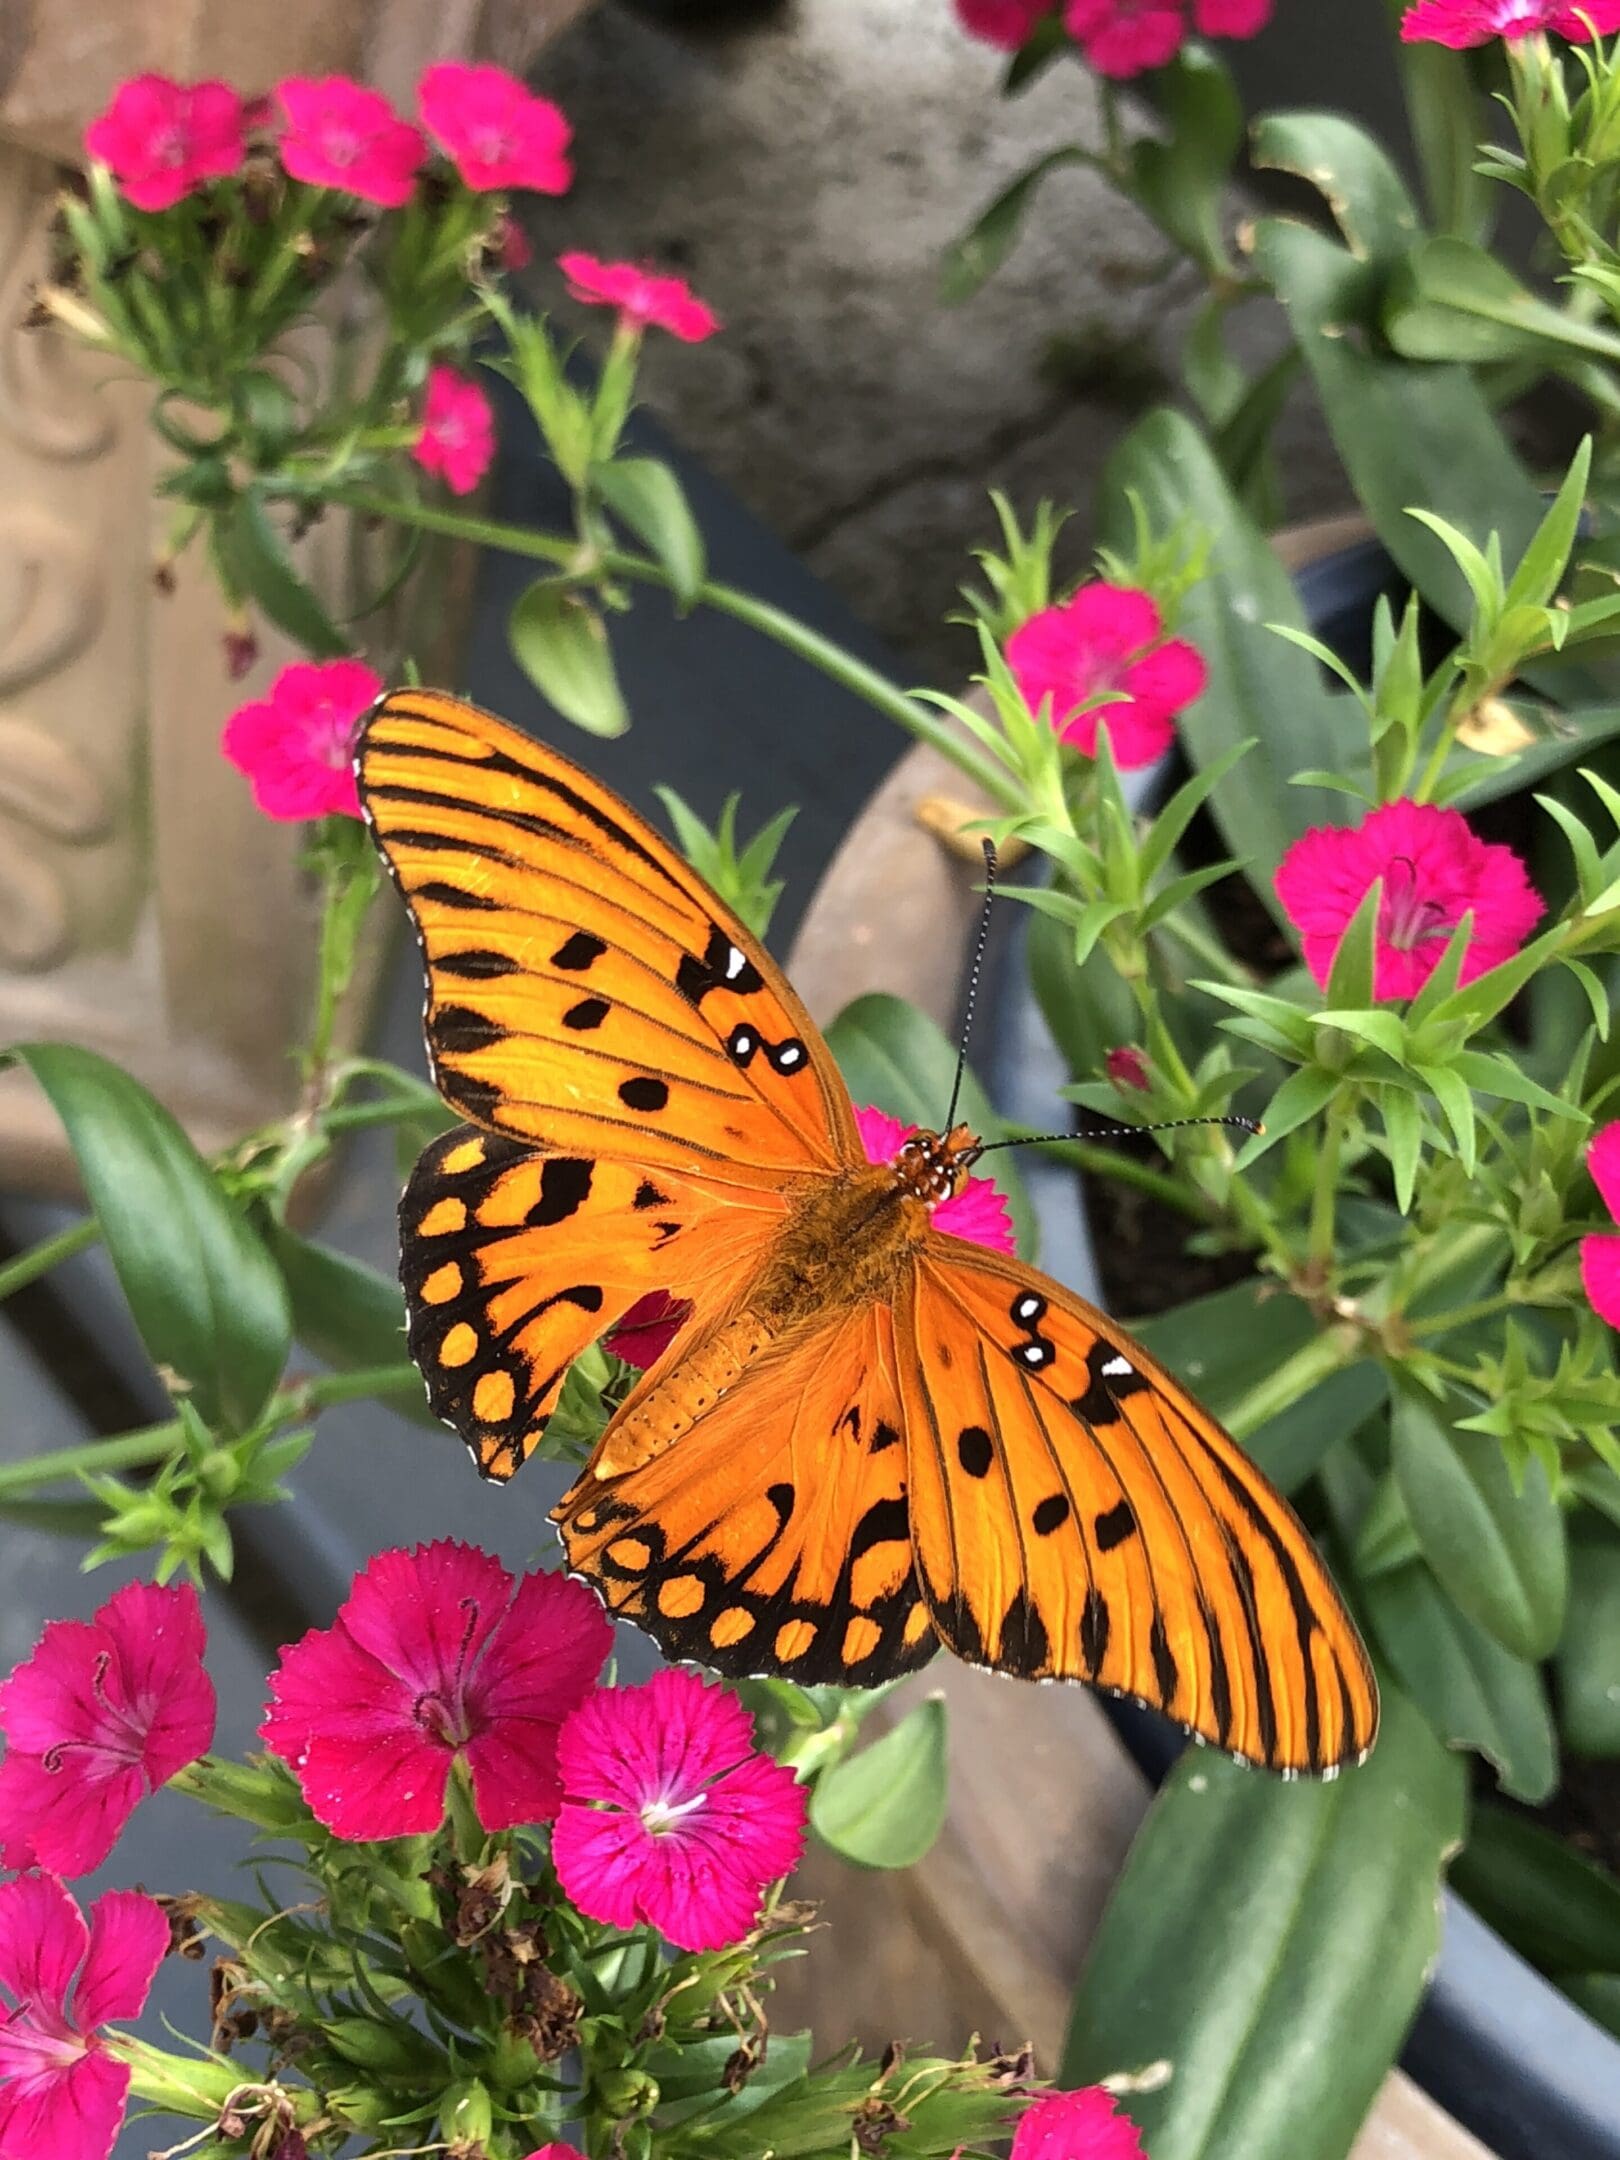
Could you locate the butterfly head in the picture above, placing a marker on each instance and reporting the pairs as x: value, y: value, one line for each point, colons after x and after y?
x: 934, y: 1166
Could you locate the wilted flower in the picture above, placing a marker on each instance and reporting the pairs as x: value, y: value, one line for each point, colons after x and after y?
x: 1435, y: 870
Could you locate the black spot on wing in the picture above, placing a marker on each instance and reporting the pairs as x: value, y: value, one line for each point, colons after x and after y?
x: 458, y: 1029
x: 1025, y: 1645
x: 477, y: 966
x: 1050, y: 1514
x: 1114, y: 1526
x: 723, y: 966
x: 578, y: 952
x: 589, y: 1013
x: 456, y: 896
x: 648, y: 1195
x: 886, y: 1522
x: 1094, y: 1626
x: 1305, y: 1621
x: 1164, y: 1663
x: 975, y: 1450
x: 565, y: 1186
x: 644, y: 1093
x: 884, y: 1436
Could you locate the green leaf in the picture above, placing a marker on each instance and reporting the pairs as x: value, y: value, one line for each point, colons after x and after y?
x: 1444, y: 108
x: 883, y: 1806
x: 1455, y: 302
x: 1474, y: 1693
x: 346, y: 1314
x: 1261, y: 688
x: 257, y: 561
x: 1210, y: 1954
x: 1556, y: 1909
x: 1403, y: 1131
x: 1226, y: 1344
x: 1546, y: 560
x: 893, y: 1056
x: 204, y: 1292
x: 561, y: 644
x: 1501, y: 1554
x: 1300, y: 1098
x: 1588, y: 1661
x: 1180, y: 179
x: 1367, y: 196
x: 647, y: 497
x: 1350, y: 979
x: 985, y: 246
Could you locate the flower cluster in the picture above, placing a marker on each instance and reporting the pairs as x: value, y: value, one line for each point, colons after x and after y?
x: 163, y: 140
x: 1460, y: 24
x: 1120, y: 38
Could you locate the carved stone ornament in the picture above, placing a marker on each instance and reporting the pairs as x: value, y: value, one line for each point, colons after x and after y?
x: 146, y: 909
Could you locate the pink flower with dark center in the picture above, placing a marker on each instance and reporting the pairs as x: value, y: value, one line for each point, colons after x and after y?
x: 1083, y: 2125
x: 297, y: 745
x: 1122, y: 38
x: 1006, y: 24
x: 104, y: 1712
x: 339, y: 134
x: 978, y: 1212
x: 458, y: 431
x: 494, y: 129
x: 1126, y: 1067
x: 670, y: 1816
x: 1231, y: 18
x: 1462, y: 23
x: 1435, y: 870
x: 1107, y: 638
x: 643, y: 298
x: 161, y: 139
x: 648, y: 1328
x: 61, y: 2093
x: 1600, y: 1253
x: 435, y: 1658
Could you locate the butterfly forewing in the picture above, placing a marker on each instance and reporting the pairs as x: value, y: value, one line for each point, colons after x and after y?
x: 588, y: 993
x: 513, y: 1262
x: 773, y: 1536
x: 1078, y: 1516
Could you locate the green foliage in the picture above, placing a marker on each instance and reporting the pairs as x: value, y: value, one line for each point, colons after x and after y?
x: 645, y: 495
x: 560, y: 641
x: 741, y: 878
x: 1210, y: 1954
x: 884, y: 1806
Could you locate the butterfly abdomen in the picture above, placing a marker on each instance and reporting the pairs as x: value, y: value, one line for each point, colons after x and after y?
x: 657, y: 1416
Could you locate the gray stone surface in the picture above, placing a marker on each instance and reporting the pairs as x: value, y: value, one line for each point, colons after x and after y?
x: 806, y: 167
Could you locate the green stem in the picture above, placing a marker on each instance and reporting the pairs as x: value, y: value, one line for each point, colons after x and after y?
x: 840, y: 666
x: 155, y: 1443
x: 1108, y: 1162
x: 1293, y: 1379
x: 1322, y: 1243
x: 1214, y: 955
x: 41, y: 1258
x: 1465, y: 1315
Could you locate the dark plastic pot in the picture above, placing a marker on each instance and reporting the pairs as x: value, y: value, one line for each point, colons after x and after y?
x: 1495, y: 2044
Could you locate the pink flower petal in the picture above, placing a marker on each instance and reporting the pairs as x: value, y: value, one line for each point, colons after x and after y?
x: 43, y: 1940
x: 422, y: 1614
x: 546, y: 1652
x: 340, y: 134
x: 1603, y: 1160
x: 882, y: 1136
x: 979, y: 1213
x: 1112, y: 623
x: 497, y: 133
x: 514, y: 1774
x: 129, y: 1939
x: 76, y: 2114
x: 391, y: 1786
x: 1231, y: 18
x: 648, y: 1329
x: 1006, y: 24
x: 66, y: 1819
x: 643, y: 298
x: 600, y: 1857
x: 1600, y: 1276
x: 1084, y: 2125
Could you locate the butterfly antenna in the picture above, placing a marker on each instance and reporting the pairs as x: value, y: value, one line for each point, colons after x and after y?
x: 1119, y: 1132
x: 973, y: 978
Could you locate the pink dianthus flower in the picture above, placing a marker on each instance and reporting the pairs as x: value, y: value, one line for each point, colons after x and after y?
x: 435, y: 1656
x: 1082, y: 2125
x: 643, y: 298
x: 61, y: 2092
x: 978, y: 1212
x: 1006, y: 24
x: 162, y: 138
x: 104, y: 1712
x: 670, y: 1816
x: 1122, y: 38
x: 458, y: 431
x: 1435, y: 870
x: 1460, y: 24
x: 1600, y: 1253
x: 297, y: 745
x: 339, y: 134
x: 1107, y: 638
x: 494, y: 129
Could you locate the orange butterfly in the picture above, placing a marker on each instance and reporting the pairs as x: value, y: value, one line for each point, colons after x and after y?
x: 867, y: 1437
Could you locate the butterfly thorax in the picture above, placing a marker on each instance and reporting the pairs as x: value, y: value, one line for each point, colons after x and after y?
x: 934, y: 1166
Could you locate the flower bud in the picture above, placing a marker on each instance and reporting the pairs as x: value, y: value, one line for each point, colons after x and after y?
x: 626, y: 2093
x: 387, y: 2048
x: 467, y: 2114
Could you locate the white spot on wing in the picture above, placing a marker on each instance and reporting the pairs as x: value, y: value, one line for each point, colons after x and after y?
x: 1119, y: 1368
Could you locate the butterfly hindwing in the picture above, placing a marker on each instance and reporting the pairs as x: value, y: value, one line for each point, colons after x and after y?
x: 514, y: 1261
x: 1078, y: 1516
x: 588, y: 993
x: 774, y: 1535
